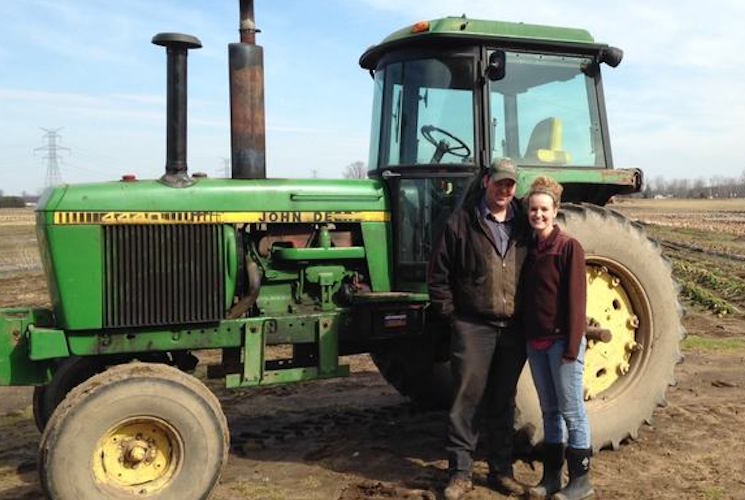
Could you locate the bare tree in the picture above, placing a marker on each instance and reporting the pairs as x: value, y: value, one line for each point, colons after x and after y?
x: 741, y: 185
x: 647, y: 191
x: 355, y: 170
x: 658, y: 186
x: 699, y: 188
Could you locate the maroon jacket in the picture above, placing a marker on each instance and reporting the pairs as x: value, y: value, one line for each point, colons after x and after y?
x: 554, y: 291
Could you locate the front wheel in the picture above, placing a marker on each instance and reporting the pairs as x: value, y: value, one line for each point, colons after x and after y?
x: 68, y: 373
x: 135, y: 430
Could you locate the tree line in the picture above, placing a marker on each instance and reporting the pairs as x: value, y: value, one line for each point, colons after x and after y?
x: 714, y: 187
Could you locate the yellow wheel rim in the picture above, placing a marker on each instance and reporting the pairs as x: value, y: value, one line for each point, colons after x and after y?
x: 139, y: 456
x: 614, y: 302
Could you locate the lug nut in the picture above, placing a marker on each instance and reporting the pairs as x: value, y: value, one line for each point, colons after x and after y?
x: 137, y: 454
x: 586, y: 394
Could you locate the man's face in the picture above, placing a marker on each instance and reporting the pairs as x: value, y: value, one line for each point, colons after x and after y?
x: 499, y: 194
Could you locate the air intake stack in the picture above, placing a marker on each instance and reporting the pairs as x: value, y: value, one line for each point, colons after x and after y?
x: 176, y: 45
x: 246, y: 74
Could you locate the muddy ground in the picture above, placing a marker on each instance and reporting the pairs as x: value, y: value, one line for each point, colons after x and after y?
x: 357, y: 438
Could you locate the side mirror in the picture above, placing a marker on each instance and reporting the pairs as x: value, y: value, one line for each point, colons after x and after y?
x: 495, y: 69
x: 611, y: 56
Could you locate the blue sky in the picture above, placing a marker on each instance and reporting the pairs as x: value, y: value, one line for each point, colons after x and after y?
x: 676, y: 103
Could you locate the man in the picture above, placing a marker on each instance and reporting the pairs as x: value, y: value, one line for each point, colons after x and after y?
x: 473, y: 277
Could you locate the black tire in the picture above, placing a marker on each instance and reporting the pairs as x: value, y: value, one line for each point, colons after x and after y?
x: 36, y: 404
x: 409, y: 365
x: 68, y: 373
x: 621, y: 247
x: 181, y: 434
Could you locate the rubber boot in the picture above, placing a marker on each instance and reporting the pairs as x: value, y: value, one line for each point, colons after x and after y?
x: 553, y: 460
x: 579, y: 487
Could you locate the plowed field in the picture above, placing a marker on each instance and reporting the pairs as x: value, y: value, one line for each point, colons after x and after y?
x: 357, y: 438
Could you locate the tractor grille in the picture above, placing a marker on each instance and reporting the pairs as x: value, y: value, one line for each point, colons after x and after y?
x: 163, y: 274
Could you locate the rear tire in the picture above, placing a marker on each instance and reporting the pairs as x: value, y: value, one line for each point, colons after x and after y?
x: 137, y: 429
x: 628, y: 279
x: 625, y: 391
x: 410, y: 366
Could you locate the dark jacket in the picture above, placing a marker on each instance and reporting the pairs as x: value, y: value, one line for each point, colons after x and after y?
x: 553, y: 298
x: 467, y: 276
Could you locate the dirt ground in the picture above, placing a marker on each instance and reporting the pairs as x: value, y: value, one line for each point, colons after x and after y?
x: 356, y: 438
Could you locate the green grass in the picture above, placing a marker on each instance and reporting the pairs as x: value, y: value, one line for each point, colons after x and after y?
x: 705, y: 298
x: 701, y: 238
x: 694, y: 342
x: 714, y: 493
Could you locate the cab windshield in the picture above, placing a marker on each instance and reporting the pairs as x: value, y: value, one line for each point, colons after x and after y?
x: 545, y: 112
x: 428, y: 115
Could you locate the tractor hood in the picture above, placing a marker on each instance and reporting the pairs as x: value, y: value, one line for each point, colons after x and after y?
x: 218, y: 195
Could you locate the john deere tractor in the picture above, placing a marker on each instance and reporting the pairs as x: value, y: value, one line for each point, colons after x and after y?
x: 143, y: 273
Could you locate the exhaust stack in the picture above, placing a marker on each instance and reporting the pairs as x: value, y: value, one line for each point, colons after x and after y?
x: 176, y: 45
x: 246, y: 75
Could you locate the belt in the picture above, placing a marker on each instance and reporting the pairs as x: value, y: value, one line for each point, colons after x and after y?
x: 495, y: 322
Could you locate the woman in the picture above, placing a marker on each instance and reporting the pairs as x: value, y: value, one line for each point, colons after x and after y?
x: 554, y: 295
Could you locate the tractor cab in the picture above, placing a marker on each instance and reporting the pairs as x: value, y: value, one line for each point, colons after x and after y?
x: 453, y: 94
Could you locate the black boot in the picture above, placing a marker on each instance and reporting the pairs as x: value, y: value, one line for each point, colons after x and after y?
x: 579, y: 487
x: 553, y: 459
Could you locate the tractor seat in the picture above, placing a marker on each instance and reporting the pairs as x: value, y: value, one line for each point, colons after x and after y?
x: 545, y: 144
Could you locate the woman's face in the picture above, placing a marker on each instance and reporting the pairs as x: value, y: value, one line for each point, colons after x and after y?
x: 541, y: 212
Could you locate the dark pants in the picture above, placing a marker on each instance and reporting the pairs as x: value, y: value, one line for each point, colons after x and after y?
x: 486, y: 362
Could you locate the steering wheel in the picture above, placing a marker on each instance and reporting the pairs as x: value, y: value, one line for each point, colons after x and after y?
x: 442, y: 146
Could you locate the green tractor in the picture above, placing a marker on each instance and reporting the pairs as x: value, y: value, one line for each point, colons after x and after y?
x: 143, y: 273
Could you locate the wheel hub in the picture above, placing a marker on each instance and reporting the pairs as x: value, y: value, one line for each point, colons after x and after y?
x: 138, y: 455
x: 137, y: 451
x: 608, y: 306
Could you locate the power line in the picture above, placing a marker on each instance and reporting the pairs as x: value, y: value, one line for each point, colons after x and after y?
x: 53, y: 176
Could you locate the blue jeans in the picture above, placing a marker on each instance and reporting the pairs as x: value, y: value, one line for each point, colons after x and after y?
x: 559, y: 387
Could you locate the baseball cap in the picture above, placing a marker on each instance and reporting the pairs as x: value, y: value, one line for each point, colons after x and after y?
x: 502, y: 169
